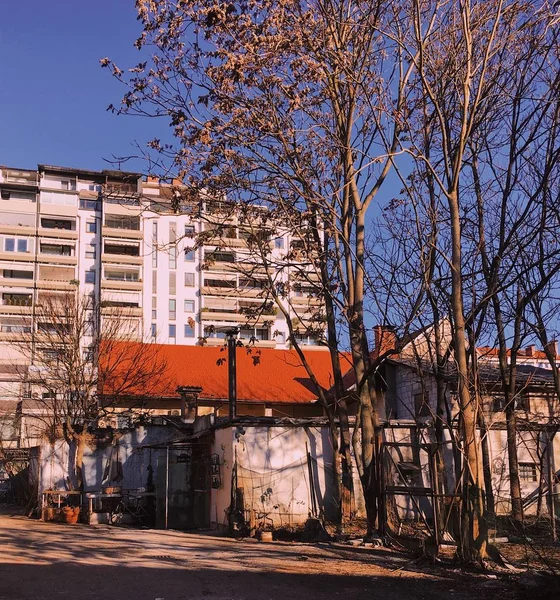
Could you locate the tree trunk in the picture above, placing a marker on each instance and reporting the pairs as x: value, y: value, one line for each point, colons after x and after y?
x: 474, y: 536
x: 80, y: 441
x: 514, y: 483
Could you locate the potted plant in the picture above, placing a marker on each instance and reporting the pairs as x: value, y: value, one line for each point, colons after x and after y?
x: 71, y: 514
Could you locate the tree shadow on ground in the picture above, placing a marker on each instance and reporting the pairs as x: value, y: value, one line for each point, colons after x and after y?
x: 174, y: 582
x: 52, y: 561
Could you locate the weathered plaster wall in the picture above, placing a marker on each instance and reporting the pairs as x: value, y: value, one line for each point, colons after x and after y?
x: 55, y: 459
x: 273, y: 472
x: 221, y: 497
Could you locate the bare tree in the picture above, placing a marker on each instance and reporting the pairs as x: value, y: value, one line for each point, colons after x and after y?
x: 77, y: 348
x: 294, y: 106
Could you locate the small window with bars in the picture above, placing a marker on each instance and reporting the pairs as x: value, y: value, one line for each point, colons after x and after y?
x: 528, y: 472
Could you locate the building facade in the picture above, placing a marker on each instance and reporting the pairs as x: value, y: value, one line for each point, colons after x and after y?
x: 170, y: 271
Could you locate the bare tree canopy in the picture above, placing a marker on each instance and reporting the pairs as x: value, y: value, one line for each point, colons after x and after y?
x: 312, y: 108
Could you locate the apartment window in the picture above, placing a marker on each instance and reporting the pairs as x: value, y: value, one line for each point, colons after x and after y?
x: 154, y: 313
x: 154, y: 282
x: 88, y: 354
x: 306, y: 340
x: 172, y: 309
x: 220, y: 283
x: 94, y: 187
x: 90, y: 276
x: 189, y: 331
x: 173, y: 245
x: 280, y: 337
x: 172, y: 283
x: 88, y: 204
x: 90, y: 253
x: 121, y: 275
x: 218, y: 256
x: 14, y: 274
x: 154, y: 258
x: 520, y: 402
x: 211, y: 332
x: 91, y: 227
x: 189, y: 306
x: 254, y: 333
x: 16, y: 299
x: 154, y: 330
x: 56, y: 249
x: 189, y: 254
x: 68, y: 185
x: 251, y: 283
x: 279, y: 243
x: 15, y: 245
x: 9, y: 328
x: 122, y: 222
x: 528, y: 472
x: 189, y: 279
x: 122, y: 250
x: 58, y: 224
x: 189, y: 231
x: 120, y: 304
x: 172, y: 331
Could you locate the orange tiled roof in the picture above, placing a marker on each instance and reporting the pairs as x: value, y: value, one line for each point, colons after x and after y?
x: 488, y: 351
x: 276, y: 376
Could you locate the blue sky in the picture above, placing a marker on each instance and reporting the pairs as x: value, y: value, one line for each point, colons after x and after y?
x: 54, y: 94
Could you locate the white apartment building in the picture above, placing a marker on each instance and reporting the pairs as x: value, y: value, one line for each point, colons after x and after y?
x: 117, y: 237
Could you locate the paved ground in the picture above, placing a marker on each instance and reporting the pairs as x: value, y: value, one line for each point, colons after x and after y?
x: 54, y: 561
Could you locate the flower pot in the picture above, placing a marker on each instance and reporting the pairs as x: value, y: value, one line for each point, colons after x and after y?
x: 71, y: 514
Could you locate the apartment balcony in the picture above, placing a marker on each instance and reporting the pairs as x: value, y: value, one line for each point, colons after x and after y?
x: 13, y: 337
x: 123, y: 312
x: 120, y: 206
x: 13, y: 257
x: 212, y: 341
x: 15, y: 309
x: 221, y: 267
x: 117, y: 284
x: 61, y: 210
x: 14, y: 282
x: 53, y: 284
x: 58, y: 259
x: 65, y: 234
x: 16, y: 230
x: 29, y: 179
x: 207, y: 316
x: 304, y: 301
x: 209, y: 290
x: 129, y: 234
x: 226, y: 242
x: 123, y: 259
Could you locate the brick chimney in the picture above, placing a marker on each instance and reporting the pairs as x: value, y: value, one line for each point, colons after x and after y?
x: 553, y: 347
x: 530, y: 350
x: 385, y: 338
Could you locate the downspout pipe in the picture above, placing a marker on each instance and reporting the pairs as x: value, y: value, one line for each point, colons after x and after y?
x: 232, y: 371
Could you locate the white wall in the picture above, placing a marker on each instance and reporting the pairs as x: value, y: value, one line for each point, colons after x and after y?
x: 272, y: 470
x: 135, y: 460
